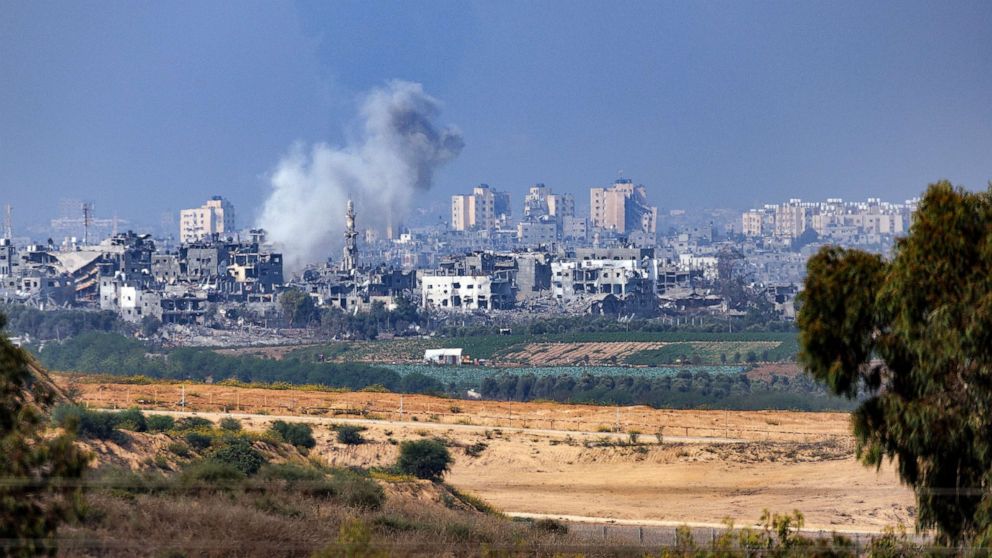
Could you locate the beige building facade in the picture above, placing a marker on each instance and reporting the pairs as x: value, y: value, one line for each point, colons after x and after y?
x: 214, y: 217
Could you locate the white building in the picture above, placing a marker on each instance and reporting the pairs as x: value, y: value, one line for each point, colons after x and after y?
x: 468, y: 292
x: 214, y: 217
x: 443, y: 356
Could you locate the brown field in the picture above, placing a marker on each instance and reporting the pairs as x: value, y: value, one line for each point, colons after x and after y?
x: 563, y: 354
x: 550, y: 458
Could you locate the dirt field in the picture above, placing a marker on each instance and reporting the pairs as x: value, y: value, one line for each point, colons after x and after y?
x: 553, y: 460
x: 563, y: 354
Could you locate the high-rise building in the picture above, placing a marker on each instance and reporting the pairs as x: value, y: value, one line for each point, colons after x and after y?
x: 540, y: 202
x: 480, y: 209
x: 622, y: 207
x: 214, y: 217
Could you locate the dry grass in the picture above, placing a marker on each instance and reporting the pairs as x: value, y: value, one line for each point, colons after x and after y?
x: 417, y: 518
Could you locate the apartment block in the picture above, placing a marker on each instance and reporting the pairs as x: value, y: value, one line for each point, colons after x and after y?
x: 214, y: 217
x: 622, y: 207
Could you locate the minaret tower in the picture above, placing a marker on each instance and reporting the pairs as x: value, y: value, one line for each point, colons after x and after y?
x: 348, y: 263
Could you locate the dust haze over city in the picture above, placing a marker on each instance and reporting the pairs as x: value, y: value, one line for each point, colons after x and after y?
x: 525, y: 278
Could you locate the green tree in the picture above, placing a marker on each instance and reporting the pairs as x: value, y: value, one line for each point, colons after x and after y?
x: 912, y: 338
x: 295, y: 433
x: 37, y: 497
x: 350, y: 434
x: 424, y: 459
x: 298, y: 307
x: 238, y: 452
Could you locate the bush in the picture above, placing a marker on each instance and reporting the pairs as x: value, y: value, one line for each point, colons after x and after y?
x: 230, y: 424
x: 159, y: 423
x: 86, y: 423
x: 298, y: 434
x: 239, y: 453
x: 132, y: 419
x: 179, y: 449
x: 193, y: 423
x: 424, y: 459
x: 198, y: 440
x: 476, y: 449
x: 357, y: 491
x: 551, y: 526
x: 350, y: 434
x: 290, y: 472
x: 212, y: 474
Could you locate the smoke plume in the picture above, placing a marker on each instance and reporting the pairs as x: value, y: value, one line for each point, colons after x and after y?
x: 394, y: 157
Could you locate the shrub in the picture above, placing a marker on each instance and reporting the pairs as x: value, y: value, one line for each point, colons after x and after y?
x: 424, y: 459
x: 212, y: 474
x: 179, y: 449
x: 132, y: 419
x: 198, y: 440
x: 290, y: 472
x: 551, y: 526
x: 230, y: 424
x: 239, y: 453
x: 476, y: 449
x: 298, y: 434
x: 86, y: 423
x: 350, y: 434
x: 159, y: 423
x: 357, y: 491
x: 192, y: 423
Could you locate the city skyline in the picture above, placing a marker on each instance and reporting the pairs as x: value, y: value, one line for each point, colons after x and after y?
x: 698, y: 102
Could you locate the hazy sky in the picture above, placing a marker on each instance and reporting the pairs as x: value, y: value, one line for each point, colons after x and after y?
x: 145, y: 107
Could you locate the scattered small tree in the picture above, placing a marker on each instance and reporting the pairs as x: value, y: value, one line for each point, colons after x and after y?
x: 349, y: 434
x: 295, y: 433
x: 424, y: 459
x: 238, y: 452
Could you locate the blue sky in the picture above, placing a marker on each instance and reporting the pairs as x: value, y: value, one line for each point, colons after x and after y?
x: 146, y: 107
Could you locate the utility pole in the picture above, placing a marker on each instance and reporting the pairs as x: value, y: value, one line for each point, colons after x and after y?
x: 182, y: 395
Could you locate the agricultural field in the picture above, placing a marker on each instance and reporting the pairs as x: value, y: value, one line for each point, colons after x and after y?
x: 564, y: 348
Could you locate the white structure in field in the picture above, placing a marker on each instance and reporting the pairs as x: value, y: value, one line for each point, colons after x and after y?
x: 214, y: 217
x: 443, y: 356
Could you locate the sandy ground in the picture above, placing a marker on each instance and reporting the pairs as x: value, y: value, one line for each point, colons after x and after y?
x: 775, y: 460
x: 747, y: 425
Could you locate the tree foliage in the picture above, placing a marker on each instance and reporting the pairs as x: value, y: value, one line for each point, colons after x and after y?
x: 298, y: 307
x: 424, y: 459
x: 912, y: 338
x: 110, y: 353
x: 34, y: 498
x: 295, y: 433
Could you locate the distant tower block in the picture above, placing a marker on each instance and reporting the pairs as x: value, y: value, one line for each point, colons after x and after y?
x: 8, y: 221
x: 348, y: 263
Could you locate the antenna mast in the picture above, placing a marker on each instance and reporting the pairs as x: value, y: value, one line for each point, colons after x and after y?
x: 87, y: 221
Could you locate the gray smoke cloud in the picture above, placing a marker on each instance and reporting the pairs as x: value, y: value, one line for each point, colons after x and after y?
x: 394, y: 157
